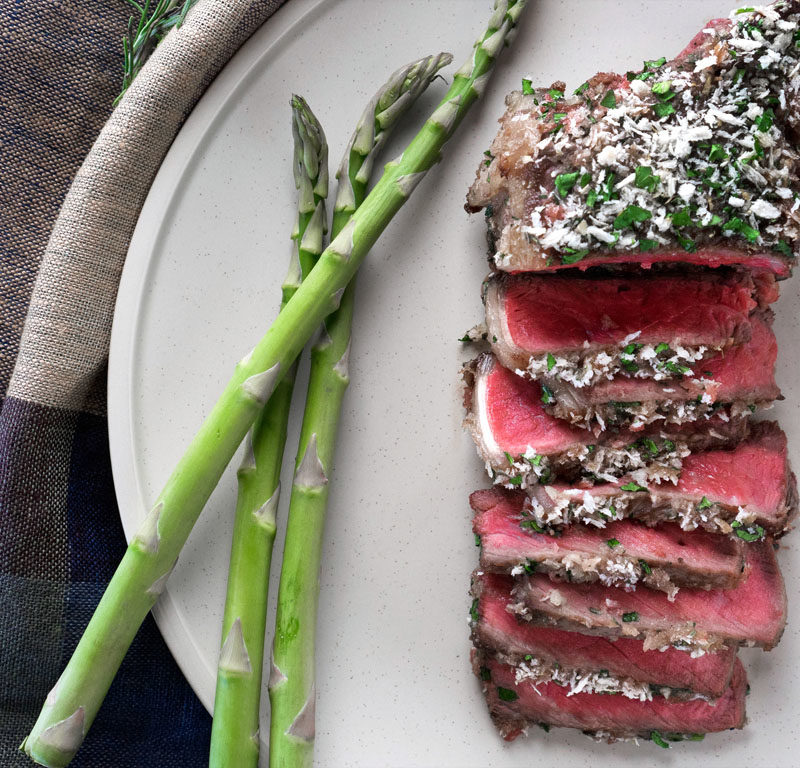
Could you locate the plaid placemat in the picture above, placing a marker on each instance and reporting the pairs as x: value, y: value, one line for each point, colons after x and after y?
x: 63, y: 244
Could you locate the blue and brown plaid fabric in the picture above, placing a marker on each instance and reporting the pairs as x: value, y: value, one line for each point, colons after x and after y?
x: 60, y: 534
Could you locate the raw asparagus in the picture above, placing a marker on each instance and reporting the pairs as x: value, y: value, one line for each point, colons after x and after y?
x: 234, y: 732
x: 140, y: 577
x: 292, y: 679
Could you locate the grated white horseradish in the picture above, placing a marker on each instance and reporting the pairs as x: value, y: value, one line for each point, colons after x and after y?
x: 646, y: 361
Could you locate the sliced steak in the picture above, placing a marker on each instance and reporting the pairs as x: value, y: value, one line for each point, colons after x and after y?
x: 730, y: 384
x: 581, y: 331
x: 659, y: 167
x: 624, y: 553
x: 752, y: 613
x: 748, y: 490
x: 514, y: 706
x: 521, y: 442
x: 496, y: 630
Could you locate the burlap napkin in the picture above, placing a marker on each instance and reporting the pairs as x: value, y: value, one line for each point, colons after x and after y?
x: 60, y: 538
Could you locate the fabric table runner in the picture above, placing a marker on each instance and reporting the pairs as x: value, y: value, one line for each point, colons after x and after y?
x: 74, y: 178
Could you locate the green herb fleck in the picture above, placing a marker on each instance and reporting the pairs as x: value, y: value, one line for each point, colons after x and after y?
x: 473, y: 611
x: 565, y: 182
x: 704, y: 503
x: 631, y: 215
x: 486, y: 674
x: 784, y: 248
x: 477, y: 540
x: 630, y: 616
x: 647, y: 245
x: 753, y: 533
x: 717, y: 153
x: 646, y: 179
x: 506, y: 694
x: 572, y: 257
x: 663, y: 110
x: 551, y: 361
x: 645, y: 567
x: 631, y: 486
x: 658, y: 739
x: 612, y: 543
x: 556, y: 94
x: 609, y: 100
x: 581, y: 89
x: 547, y: 395
x: 527, y: 87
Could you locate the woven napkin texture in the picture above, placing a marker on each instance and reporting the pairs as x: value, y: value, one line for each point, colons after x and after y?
x: 60, y: 535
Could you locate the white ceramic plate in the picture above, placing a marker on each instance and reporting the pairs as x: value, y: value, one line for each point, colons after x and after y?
x: 201, y: 285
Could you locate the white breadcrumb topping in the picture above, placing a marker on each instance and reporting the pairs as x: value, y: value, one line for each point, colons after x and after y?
x: 686, y: 156
x: 644, y: 361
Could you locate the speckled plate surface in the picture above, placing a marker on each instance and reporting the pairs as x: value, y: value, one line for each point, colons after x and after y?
x: 201, y: 285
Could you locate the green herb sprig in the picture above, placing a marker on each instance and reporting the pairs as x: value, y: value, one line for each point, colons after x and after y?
x: 146, y: 31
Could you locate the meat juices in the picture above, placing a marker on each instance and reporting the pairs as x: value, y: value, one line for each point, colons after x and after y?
x: 637, y: 230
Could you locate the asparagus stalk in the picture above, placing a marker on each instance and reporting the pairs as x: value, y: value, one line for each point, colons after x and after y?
x: 234, y: 732
x: 140, y: 577
x: 292, y: 680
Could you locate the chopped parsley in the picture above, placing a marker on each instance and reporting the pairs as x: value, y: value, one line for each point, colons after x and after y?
x: 663, y: 110
x: 630, y: 616
x: 717, y: 154
x: 658, y: 739
x: 784, y: 248
x: 704, y: 503
x: 486, y: 674
x: 648, y: 245
x: 532, y: 525
x: 581, y: 89
x: 547, y: 395
x: 753, y: 533
x: 556, y: 94
x: 646, y: 179
x: 645, y: 567
x: 631, y: 215
x: 572, y: 257
x: 612, y: 543
x: 609, y: 101
x: 506, y: 694
x: 477, y: 540
x: 527, y: 88
x: 473, y: 611
x: 565, y: 182
x: 551, y: 361
x: 631, y: 486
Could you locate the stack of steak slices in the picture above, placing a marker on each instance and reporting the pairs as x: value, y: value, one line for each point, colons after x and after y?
x: 638, y: 231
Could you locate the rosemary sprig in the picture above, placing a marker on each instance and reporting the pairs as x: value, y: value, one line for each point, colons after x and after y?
x: 146, y: 32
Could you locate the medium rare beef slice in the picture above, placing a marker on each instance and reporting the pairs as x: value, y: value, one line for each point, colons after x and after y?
x: 622, y: 665
x: 581, y: 331
x: 522, y: 444
x: 691, y: 160
x: 734, y: 382
x: 515, y: 704
x: 747, y: 491
x: 624, y: 553
x: 752, y: 613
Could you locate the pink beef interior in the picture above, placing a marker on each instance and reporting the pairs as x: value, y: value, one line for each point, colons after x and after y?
x: 517, y: 418
x: 754, y: 610
x: 702, y: 554
x: 550, y: 703
x: 498, y: 629
x: 754, y: 475
x: 547, y: 314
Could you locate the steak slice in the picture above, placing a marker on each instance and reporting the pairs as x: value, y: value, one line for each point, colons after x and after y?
x: 580, y: 330
x: 650, y: 168
x: 752, y: 613
x: 624, y: 553
x: 731, y: 383
x: 522, y: 443
x: 748, y: 490
x: 496, y: 630
x: 514, y: 706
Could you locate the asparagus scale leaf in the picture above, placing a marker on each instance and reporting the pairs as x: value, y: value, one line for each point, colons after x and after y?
x: 234, y: 731
x: 140, y: 577
x: 292, y: 681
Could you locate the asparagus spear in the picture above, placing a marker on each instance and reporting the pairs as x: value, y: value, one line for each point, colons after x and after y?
x: 234, y: 732
x: 140, y: 577
x: 292, y: 679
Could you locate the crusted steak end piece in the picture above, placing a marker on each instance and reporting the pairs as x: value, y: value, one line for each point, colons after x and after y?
x: 690, y: 161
